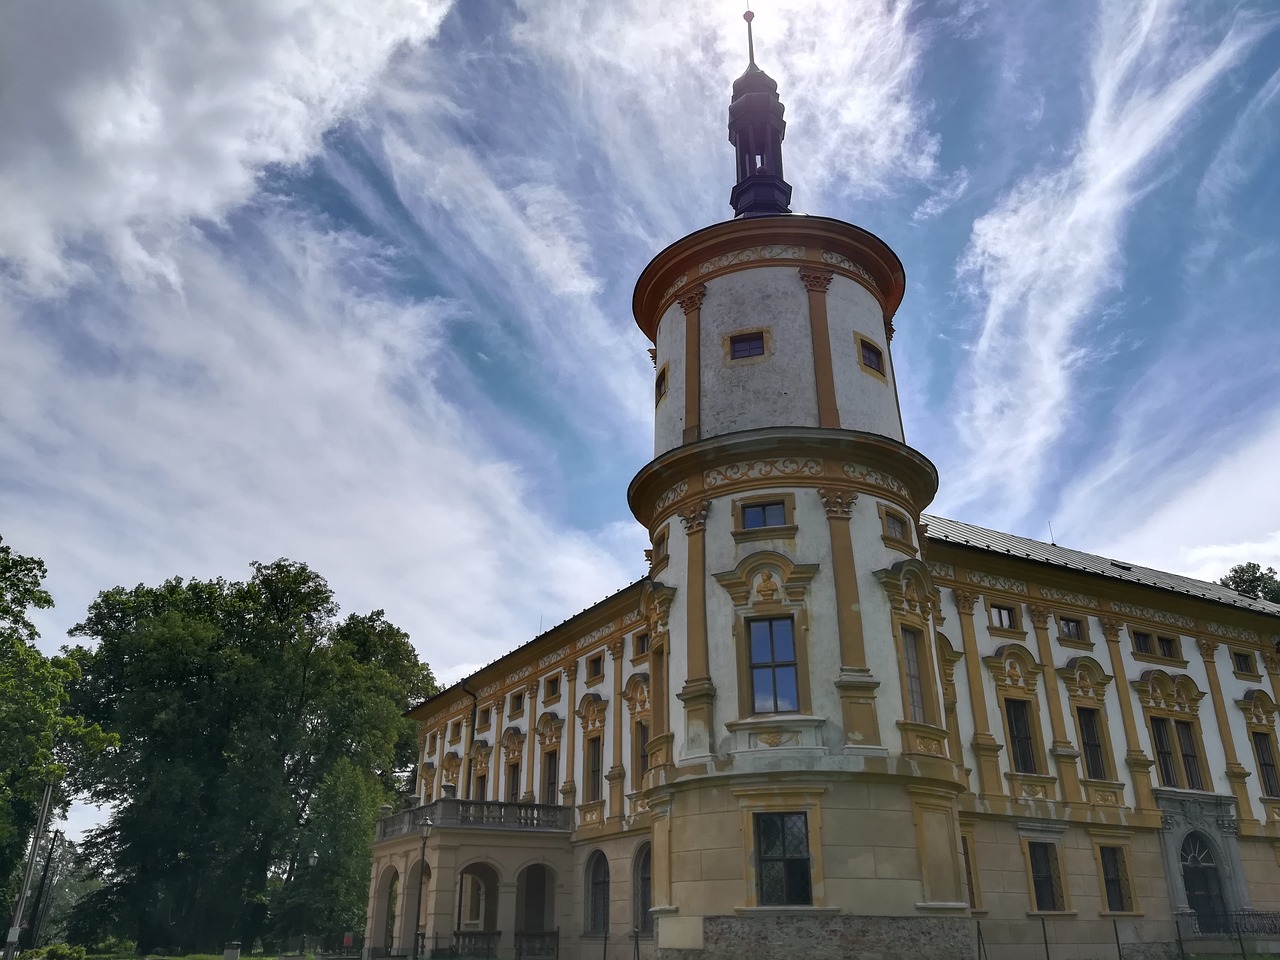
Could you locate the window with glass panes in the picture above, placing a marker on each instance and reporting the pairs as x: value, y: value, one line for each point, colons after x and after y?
x: 513, y: 783
x: 746, y: 345
x: 782, y: 859
x: 1069, y: 628
x: 774, y: 679
x: 644, y: 891
x: 1190, y: 754
x: 757, y: 515
x: 595, y: 769
x: 1243, y: 661
x: 597, y: 894
x: 1168, y: 647
x: 1095, y: 758
x: 1141, y: 642
x: 551, y: 777
x: 1165, y: 764
x: 872, y: 357
x: 642, y: 747
x: 1264, y: 751
x: 1115, y: 879
x: 1003, y: 617
x: 895, y: 526
x: 1022, y: 744
x: 915, y: 682
x: 1046, y: 879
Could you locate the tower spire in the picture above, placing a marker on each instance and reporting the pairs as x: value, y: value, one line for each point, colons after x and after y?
x: 756, y: 129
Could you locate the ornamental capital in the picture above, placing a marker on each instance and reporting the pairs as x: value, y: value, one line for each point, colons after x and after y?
x: 1039, y: 616
x: 965, y: 599
x: 1110, y: 628
x: 816, y: 278
x: 1272, y: 662
x: 614, y: 647
x: 1208, y: 648
x: 695, y: 517
x: 838, y: 503
x: 571, y: 670
x: 888, y: 329
x: 692, y: 300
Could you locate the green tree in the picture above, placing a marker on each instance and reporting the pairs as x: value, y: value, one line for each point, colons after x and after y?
x: 1250, y: 578
x: 243, y: 710
x: 39, y: 738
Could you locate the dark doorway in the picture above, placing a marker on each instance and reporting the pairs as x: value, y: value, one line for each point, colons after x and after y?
x: 1203, y: 883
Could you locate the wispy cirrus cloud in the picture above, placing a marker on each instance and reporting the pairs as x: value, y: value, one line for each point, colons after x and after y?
x: 1043, y: 260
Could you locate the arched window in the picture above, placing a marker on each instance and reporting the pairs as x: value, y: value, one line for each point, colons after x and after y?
x: 642, y: 897
x: 1203, y: 884
x: 597, y: 894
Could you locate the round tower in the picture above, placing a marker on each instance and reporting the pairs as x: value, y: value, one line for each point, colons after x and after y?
x: 800, y: 755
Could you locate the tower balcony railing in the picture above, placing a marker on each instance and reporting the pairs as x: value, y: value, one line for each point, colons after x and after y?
x: 448, y: 812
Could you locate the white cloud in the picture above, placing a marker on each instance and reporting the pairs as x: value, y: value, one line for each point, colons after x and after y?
x: 1041, y: 262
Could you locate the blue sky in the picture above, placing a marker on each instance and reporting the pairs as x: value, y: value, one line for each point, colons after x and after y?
x: 350, y: 283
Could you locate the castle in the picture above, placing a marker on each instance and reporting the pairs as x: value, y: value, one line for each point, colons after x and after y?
x: 825, y: 718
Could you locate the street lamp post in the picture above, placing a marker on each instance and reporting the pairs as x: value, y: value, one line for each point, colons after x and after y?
x: 424, y: 829
x: 312, y: 859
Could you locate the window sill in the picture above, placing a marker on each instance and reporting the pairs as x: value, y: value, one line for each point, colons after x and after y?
x: 1159, y: 660
x: 1250, y: 677
x: 902, y: 546
x: 1121, y: 913
x: 657, y: 566
x: 594, y: 681
x: 1081, y: 644
x: 787, y: 532
x: 547, y: 701
x: 1007, y: 633
x: 1053, y: 913
x: 516, y: 714
x: 640, y: 659
x: 782, y: 910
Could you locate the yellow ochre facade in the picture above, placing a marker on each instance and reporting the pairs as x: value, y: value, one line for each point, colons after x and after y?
x: 825, y: 719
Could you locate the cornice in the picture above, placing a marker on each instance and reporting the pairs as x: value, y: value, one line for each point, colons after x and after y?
x: 818, y: 244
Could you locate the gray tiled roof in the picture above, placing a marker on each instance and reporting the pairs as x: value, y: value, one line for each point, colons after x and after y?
x: 967, y: 535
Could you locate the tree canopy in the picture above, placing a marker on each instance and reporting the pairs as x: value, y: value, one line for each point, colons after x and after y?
x: 1250, y: 578
x: 255, y: 727
x: 38, y: 736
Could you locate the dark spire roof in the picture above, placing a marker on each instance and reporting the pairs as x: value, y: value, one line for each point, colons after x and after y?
x: 756, y: 129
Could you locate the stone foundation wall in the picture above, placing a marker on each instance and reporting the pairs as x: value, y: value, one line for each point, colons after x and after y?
x: 834, y: 937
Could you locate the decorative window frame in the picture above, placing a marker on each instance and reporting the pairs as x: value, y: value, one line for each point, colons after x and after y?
x: 906, y: 545
x: 662, y: 378
x: 1017, y: 676
x: 590, y: 929
x: 636, y: 695
x: 726, y: 343
x: 642, y: 924
x: 481, y: 753
x: 590, y: 679
x: 1019, y: 629
x: 1180, y: 662
x: 549, y: 694
x: 485, y: 722
x: 1122, y: 841
x: 593, y: 714
x: 1260, y: 717
x: 640, y: 657
x: 1053, y: 837
x: 769, y: 584
x: 1160, y: 694
x: 550, y: 732
x: 1086, y: 684
x: 781, y: 798
x: 512, y: 742
x: 1254, y: 675
x: 787, y: 530
x: 916, y: 604
x: 881, y: 375
x: 660, y: 551
x: 1085, y: 642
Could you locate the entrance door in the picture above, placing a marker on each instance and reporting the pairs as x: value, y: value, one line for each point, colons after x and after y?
x: 1203, y: 884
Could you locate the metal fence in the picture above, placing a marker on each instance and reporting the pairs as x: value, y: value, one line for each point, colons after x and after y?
x: 1244, y: 934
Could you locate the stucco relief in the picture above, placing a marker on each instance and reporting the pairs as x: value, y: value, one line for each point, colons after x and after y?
x: 762, y: 469
x: 1233, y: 633
x: 671, y: 496
x: 844, y: 263
x: 551, y: 658
x: 1007, y: 584
x: 1147, y: 613
x: 1066, y: 596
x: 942, y: 570
x: 773, y: 251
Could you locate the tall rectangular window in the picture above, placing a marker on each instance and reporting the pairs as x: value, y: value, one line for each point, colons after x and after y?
x: 746, y: 345
x: 1168, y: 647
x: 642, y: 748
x: 1022, y: 745
x: 782, y: 859
x: 1095, y: 760
x: 1115, y: 879
x: 1267, y: 777
x: 480, y: 791
x: 1141, y: 641
x: 1190, y: 755
x: 1242, y: 662
x: 1164, y: 752
x: 551, y: 777
x: 513, y: 783
x: 915, y: 685
x: 1046, y: 878
x: 967, y: 856
x: 595, y: 769
x: 774, y: 678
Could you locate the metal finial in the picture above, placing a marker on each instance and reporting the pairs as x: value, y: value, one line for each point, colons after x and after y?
x: 751, y: 45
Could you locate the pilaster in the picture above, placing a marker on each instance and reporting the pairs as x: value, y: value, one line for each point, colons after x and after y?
x: 616, y: 774
x: 568, y: 789
x: 698, y: 692
x: 985, y: 746
x: 531, y: 723
x: 1139, y: 763
x: 691, y: 304
x: 816, y: 281
x: 1237, y: 775
x: 1065, y: 755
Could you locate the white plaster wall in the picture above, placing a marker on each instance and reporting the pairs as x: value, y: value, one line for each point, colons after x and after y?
x: 676, y: 575
x: 864, y: 400
x: 668, y: 418
x: 776, y: 391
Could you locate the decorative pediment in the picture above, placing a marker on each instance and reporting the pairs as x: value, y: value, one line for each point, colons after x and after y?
x: 1259, y: 709
x: 767, y: 578
x: 549, y: 729
x: 1085, y: 680
x: 480, y: 754
x: 948, y: 657
x: 451, y: 766
x: 655, y: 601
x: 512, y: 743
x: 1014, y: 669
x: 636, y: 694
x: 1157, y: 690
x: 909, y: 586
x: 592, y: 711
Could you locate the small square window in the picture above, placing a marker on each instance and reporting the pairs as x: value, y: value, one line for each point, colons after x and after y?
x: 431, y: 743
x: 595, y: 667
x: 756, y: 515
x: 642, y: 644
x: 746, y: 345
x: 455, y: 731
x: 486, y: 715
x: 660, y: 547
x: 895, y: 526
x: 872, y: 356
x: 1003, y: 618
x: 1168, y: 647
x: 552, y: 688
x: 1141, y: 642
x: 1243, y: 661
x: 517, y: 703
x: 660, y: 386
x: 1069, y: 628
